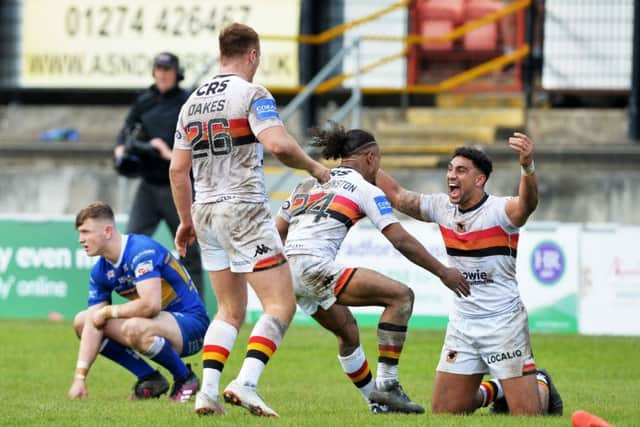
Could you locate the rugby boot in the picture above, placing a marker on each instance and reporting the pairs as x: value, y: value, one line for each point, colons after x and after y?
x: 555, y: 401
x: 247, y: 396
x: 555, y: 406
x: 152, y: 385
x: 185, y: 388
x: 378, y: 408
x: 393, y: 396
x: 499, y: 406
x: 208, y: 406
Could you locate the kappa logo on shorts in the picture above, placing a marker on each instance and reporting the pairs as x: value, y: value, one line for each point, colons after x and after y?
x: 261, y: 249
x: 452, y: 355
x: 327, y: 280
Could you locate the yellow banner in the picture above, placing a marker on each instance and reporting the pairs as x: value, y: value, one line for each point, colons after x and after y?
x: 111, y: 44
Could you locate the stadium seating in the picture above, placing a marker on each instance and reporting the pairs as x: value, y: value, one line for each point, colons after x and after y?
x: 439, y: 17
x: 485, y: 38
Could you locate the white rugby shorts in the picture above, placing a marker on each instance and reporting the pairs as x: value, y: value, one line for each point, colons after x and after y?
x: 317, y: 281
x: 239, y: 236
x: 498, y: 345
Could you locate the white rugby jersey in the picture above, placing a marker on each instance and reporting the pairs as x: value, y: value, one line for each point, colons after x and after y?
x: 320, y: 215
x: 219, y: 123
x: 482, y: 244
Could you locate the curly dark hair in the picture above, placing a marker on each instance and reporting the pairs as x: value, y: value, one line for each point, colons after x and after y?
x: 336, y: 143
x: 479, y: 159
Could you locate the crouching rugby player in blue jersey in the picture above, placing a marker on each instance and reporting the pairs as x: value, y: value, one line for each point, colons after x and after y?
x: 164, y: 319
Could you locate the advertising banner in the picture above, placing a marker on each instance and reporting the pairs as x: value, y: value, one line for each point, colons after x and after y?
x: 610, y: 292
x: 111, y: 44
x: 44, y: 272
x: 548, y: 275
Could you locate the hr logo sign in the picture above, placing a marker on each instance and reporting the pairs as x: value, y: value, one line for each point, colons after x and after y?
x: 548, y: 262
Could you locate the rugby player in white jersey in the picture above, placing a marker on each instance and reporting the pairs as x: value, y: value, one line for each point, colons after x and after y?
x: 314, y: 222
x: 220, y: 135
x: 487, y: 332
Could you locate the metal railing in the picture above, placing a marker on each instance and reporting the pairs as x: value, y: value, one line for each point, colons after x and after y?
x: 352, y: 106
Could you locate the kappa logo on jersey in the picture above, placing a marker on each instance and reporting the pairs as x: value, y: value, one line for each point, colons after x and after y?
x: 143, y: 268
x: 111, y: 274
x: 261, y: 249
x: 178, y: 135
x: 265, y: 109
x: 384, y: 207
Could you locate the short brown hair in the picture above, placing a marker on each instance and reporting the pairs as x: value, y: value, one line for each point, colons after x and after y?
x: 95, y: 210
x: 237, y: 39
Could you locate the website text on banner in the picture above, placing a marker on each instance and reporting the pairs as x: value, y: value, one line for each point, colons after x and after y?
x: 102, y: 44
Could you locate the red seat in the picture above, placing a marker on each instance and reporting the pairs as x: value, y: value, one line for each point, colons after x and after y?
x: 438, y: 17
x: 433, y: 28
x: 484, y: 38
x: 452, y: 10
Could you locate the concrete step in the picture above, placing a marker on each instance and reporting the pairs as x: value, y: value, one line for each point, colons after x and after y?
x: 499, y: 117
x: 480, y: 100
x: 433, y: 134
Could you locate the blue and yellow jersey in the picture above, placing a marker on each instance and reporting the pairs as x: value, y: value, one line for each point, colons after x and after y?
x: 143, y: 258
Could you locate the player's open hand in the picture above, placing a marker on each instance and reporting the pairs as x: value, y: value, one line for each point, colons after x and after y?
x: 455, y: 281
x: 185, y: 236
x: 523, y: 145
x: 78, y: 390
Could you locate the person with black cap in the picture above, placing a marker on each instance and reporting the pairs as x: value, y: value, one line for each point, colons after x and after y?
x: 144, y: 147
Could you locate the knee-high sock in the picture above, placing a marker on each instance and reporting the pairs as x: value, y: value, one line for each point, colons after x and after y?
x: 125, y: 357
x: 490, y: 390
x: 390, y: 341
x: 263, y: 342
x: 218, y: 342
x: 162, y: 353
x: 357, y: 369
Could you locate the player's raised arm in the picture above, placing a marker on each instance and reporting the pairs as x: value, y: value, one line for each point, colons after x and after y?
x: 520, y: 208
x: 415, y: 252
x: 407, y: 202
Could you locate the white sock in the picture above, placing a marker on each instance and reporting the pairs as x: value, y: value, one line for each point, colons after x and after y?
x: 357, y: 369
x: 263, y: 342
x: 218, y: 342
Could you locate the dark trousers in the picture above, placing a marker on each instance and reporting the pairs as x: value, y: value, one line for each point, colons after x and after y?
x: 152, y: 204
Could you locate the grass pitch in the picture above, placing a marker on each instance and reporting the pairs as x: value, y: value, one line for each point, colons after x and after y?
x: 303, y: 382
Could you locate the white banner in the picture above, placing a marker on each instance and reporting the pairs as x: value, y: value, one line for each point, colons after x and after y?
x: 110, y: 44
x: 610, y: 293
